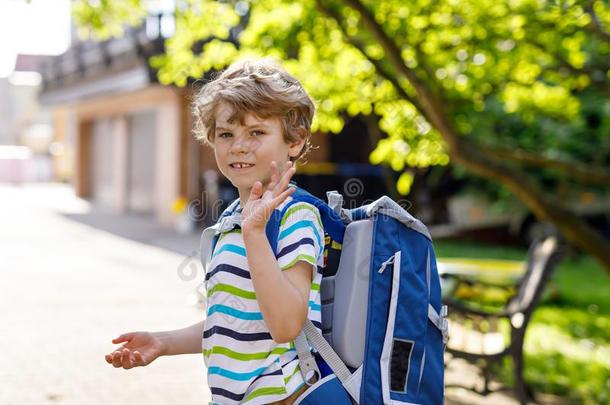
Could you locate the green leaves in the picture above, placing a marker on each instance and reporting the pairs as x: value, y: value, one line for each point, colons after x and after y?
x: 103, y: 19
x: 511, y: 73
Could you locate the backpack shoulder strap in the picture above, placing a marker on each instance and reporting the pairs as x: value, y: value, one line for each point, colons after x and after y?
x: 331, y: 221
x: 209, y: 236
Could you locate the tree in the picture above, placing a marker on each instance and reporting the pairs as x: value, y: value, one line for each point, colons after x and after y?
x: 495, y: 86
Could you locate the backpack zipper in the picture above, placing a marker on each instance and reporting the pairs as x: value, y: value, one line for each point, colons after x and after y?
x: 386, y: 263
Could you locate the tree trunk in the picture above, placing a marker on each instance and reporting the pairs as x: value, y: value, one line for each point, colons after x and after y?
x: 573, y: 228
x: 375, y: 135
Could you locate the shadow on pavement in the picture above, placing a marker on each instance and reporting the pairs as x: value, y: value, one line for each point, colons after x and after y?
x: 141, y: 228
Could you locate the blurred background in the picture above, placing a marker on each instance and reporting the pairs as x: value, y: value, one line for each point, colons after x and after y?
x: 488, y: 120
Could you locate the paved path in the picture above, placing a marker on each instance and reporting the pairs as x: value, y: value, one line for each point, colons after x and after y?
x: 67, y: 288
x: 73, y: 277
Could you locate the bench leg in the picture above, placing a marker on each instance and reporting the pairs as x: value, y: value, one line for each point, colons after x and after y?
x: 520, y: 387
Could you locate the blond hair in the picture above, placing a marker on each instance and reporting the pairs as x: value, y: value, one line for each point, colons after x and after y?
x: 260, y: 87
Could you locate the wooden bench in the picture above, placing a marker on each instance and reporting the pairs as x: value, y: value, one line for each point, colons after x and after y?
x: 543, y: 256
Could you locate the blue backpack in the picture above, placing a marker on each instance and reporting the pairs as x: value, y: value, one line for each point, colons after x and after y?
x: 383, y: 325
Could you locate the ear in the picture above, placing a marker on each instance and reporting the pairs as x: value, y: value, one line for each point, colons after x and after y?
x: 295, y: 147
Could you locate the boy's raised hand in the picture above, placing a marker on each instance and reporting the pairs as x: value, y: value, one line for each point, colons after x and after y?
x: 261, y: 203
x: 140, y: 349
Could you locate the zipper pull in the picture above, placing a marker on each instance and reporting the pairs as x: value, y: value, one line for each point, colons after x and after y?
x: 385, y: 264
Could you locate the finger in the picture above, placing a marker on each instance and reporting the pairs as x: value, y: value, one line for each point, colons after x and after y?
x: 126, y: 359
x: 285, y: 181
x: 256, y: 191
x: 138, y: 359
x: 126, y: 337
x: 285, y: 168
x: 275, y: 176
x: 116, y: 359
x: 282, y: 183
x: 280, y: 198
x: 108, y: 358
x: 278, y: 186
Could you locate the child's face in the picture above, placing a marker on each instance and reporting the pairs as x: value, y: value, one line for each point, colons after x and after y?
x: 256, y: 143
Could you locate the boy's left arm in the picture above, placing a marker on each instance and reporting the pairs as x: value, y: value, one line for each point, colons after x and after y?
x: 282, y: 292
x: 282, y: 295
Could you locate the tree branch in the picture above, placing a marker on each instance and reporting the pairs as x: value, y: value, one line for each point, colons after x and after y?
x: 382, y: 70
x: 375, y: 135
x: 557, y: 56
x: 596, y: 23
x: 432, y: 106
x: 578, y: 171
x: 573, y: 228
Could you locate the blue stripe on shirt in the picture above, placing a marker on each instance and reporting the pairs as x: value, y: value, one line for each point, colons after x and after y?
x: 299, y: 225
x: 231, y: 248
x: 314, y: 306
x: 295, y: 245
x: 222, y: 267
x: 244, y: 337
x: 226, y: 394
x: 236, y: 313
x: 235, y: 376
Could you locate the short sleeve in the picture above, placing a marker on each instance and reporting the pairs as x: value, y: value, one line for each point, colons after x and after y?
x: 301, y: 236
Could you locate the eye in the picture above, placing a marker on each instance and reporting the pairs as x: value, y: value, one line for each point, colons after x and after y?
x: 225, y: 135
x: 257, y: 132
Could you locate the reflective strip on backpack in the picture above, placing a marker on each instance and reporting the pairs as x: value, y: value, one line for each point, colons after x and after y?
x: 384, y: 361
x: 439, y: 320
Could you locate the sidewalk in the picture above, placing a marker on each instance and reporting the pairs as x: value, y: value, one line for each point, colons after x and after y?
x: 67, y: 289
x: 72, y: 277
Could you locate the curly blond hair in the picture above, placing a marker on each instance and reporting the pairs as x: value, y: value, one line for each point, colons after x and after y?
x: 260, y: 87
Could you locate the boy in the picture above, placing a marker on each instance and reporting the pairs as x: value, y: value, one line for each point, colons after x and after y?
x: 257, y: 117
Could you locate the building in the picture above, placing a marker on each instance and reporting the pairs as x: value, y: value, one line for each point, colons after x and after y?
x: 125, y: 135
x: 25, y: 125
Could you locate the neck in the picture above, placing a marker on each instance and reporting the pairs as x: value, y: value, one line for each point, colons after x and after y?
x: 243, y: 196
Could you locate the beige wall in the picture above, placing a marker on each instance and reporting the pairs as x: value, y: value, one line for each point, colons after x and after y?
x: 119, y: 144
x: 78, y: 122
x: 168, y: 160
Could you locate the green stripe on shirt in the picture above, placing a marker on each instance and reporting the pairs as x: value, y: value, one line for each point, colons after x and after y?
x: 266, y: 391
x: 232, y: 290
x: 298, y: 207
x: 297, y: 369
x: 222, y: 235
x: 243, y: 356
x: 309, y: 259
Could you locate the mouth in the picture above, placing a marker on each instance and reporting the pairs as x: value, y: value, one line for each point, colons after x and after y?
x: 241, y: 165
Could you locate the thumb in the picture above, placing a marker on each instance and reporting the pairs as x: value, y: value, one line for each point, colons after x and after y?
x: 256, y: 191
x: 126, y: 337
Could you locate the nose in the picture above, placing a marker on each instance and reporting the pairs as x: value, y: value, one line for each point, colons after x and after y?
x: 240, y: 145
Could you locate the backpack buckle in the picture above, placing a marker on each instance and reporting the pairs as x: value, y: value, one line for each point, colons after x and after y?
x: 335, y: 201
x: 228, y: 223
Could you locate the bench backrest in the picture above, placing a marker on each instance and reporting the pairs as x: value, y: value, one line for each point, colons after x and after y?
x: 543, y: 256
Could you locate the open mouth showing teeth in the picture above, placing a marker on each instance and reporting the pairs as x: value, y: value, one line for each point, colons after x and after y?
x: 241, y: 165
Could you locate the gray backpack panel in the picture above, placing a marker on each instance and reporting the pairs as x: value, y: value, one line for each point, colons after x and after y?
x: 344, y: 320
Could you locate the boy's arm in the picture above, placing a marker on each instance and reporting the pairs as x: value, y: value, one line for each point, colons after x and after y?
x: 182, y: 341
x: 282, y: 295
x: 142, y: 348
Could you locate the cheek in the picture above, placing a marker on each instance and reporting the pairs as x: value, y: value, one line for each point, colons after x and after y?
x: 256, y: 145
x: 221, y: 159
x: 220, y: 151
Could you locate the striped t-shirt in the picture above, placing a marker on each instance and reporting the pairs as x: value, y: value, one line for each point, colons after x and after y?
x: 245, y: 365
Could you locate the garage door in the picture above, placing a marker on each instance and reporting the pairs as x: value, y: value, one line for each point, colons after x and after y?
x: 102, y: 163
x: 141, y: 162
